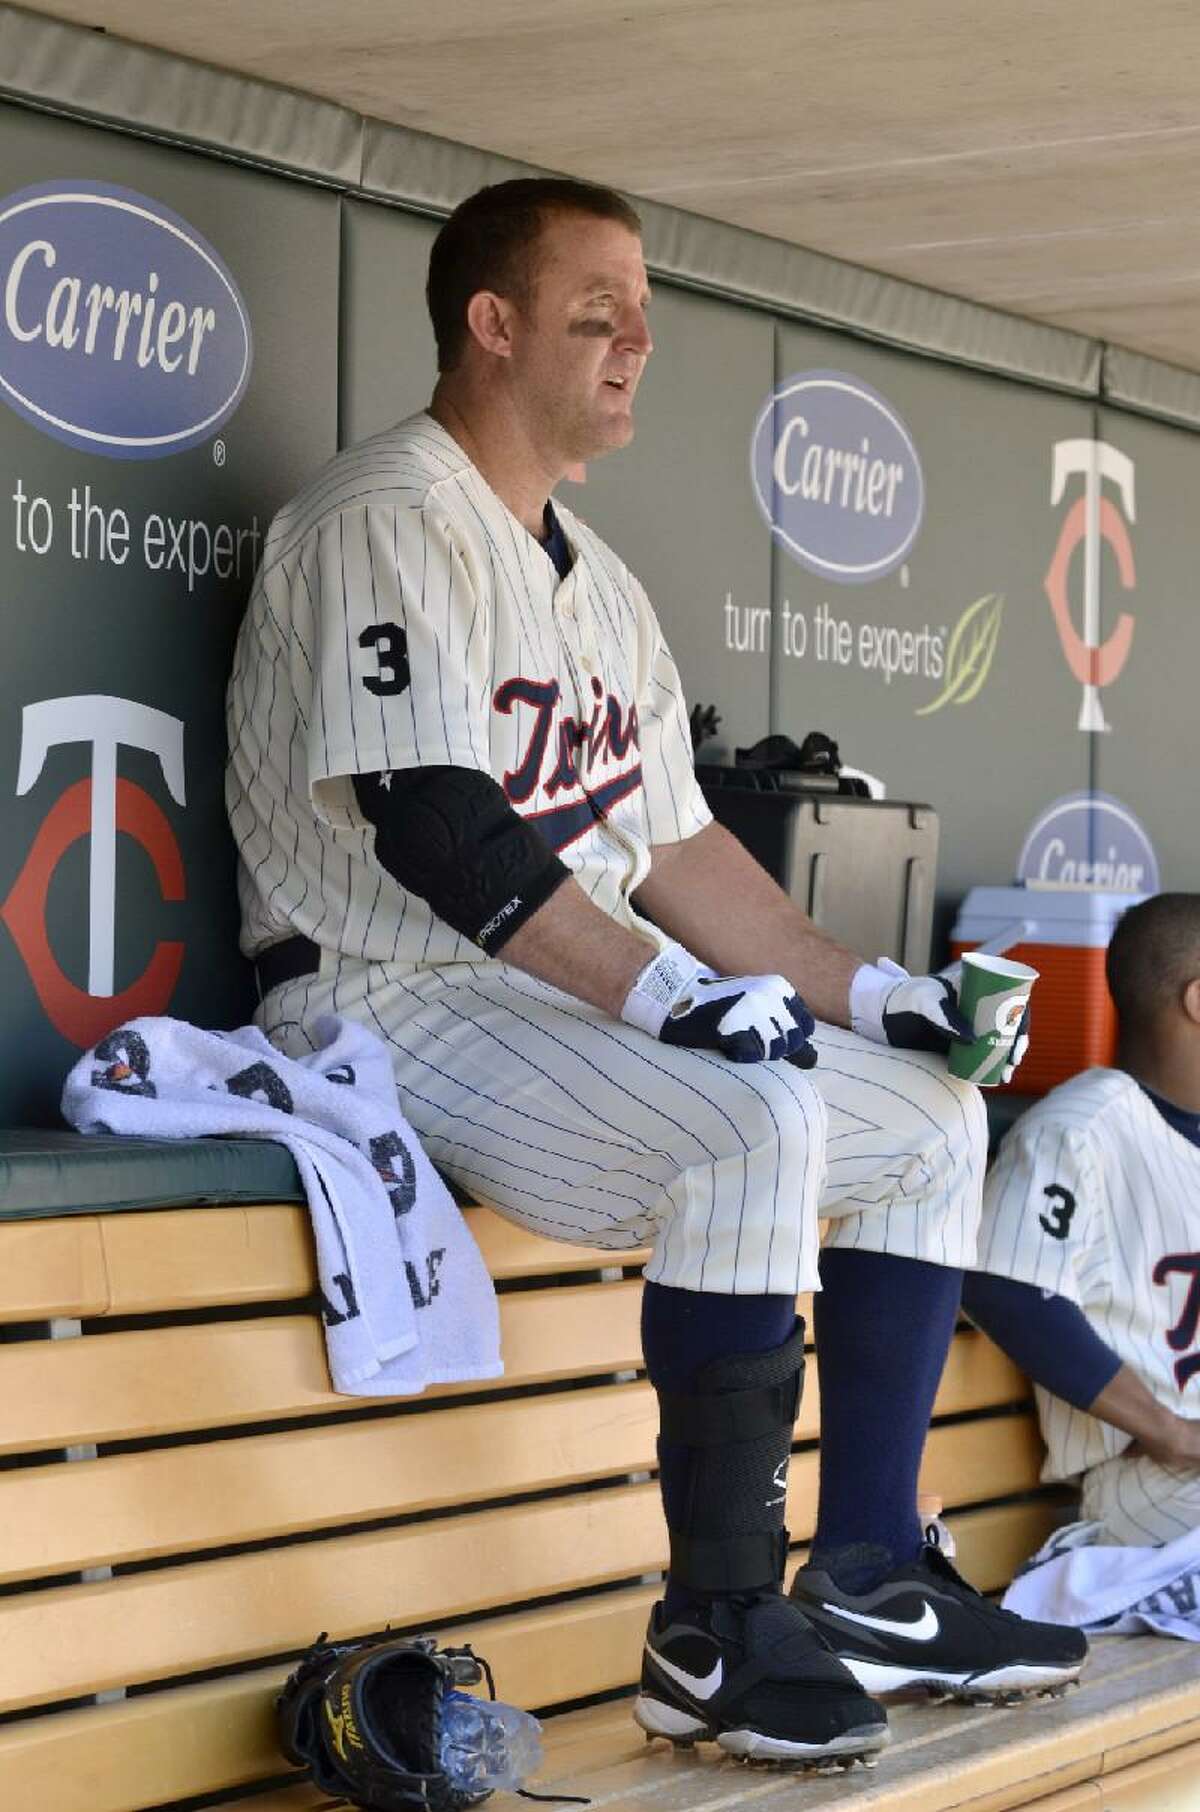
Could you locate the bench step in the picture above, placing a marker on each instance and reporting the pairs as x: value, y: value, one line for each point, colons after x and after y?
x: 1126, y: 1740
x: 1137, y: 1714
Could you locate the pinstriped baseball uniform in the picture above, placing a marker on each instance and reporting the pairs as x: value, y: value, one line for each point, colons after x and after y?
x: 1094, y: 1196
x: 403, y: 616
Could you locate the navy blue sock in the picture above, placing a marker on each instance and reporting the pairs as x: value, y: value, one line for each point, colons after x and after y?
x: 883, y: 1327
x: 683, y: 1330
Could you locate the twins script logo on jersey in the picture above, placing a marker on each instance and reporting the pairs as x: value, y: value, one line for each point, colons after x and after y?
x: 1183, y: 1334
x: 1092, y: 518
x: 561, y: 754
x: 96, y: 808
x: 121, y: 331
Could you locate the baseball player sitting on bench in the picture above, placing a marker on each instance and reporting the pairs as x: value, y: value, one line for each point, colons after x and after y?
x: 1091, y: 1224
x: 462, y: 790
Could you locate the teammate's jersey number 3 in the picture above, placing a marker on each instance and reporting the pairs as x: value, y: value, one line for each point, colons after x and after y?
x: 1056, y: 1221
x: 391, y: 654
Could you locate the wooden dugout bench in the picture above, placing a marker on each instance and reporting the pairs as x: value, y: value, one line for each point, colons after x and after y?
x: 184, y: 1505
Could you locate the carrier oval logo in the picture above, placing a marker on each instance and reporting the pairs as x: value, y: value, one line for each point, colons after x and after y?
x: 837, y: 476
x: 1089, y: 840
x: 121, y: 330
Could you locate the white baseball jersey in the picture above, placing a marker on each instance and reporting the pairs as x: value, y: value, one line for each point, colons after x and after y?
x: 403, y: 617
x: 1095, y: 1197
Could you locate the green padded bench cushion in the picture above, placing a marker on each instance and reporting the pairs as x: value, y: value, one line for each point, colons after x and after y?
x: 45, y: 1173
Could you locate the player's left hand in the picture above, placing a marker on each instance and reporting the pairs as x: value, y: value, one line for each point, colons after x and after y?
x: 912, y: 1012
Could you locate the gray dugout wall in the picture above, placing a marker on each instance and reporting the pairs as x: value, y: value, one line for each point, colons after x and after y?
x: 860, y: 507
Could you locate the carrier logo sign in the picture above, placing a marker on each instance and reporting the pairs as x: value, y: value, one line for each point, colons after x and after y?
x: 121, y: 330
x: 1091, y: 519
x: 1089, y: 840
x: 837, y: 476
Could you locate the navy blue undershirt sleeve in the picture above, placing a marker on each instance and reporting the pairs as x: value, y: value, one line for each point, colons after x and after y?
x: 1050, y: 1338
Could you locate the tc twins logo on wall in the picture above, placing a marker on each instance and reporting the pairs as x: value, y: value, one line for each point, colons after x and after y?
x: 98, y: 807
x: 1092, y: 519
x: 121, y: 330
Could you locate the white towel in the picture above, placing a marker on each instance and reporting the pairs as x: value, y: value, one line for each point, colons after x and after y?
x: 407, y: 1300
x: 1111, y: 1590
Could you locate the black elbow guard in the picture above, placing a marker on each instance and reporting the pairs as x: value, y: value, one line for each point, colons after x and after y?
x: 450, y: 835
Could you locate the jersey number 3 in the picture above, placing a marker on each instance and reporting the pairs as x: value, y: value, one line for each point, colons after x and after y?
x: 391, y: 652
x: 1057, y: 1219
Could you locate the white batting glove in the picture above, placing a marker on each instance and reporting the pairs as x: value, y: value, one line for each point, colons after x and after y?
x: 748, y: 1018
x: 913, y: 1012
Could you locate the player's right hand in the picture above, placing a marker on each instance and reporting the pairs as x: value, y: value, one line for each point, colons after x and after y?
x: 745, y: 1017
x: 748, y: 1018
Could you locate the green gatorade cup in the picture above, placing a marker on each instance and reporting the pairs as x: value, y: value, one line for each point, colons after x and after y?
x: 992, y: 994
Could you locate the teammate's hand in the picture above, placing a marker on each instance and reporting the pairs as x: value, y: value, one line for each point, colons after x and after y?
x: 1176, y: 1443
x: 747, y: 1018
x: 913, y: 1012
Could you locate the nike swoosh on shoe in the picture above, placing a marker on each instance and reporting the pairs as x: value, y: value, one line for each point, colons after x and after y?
x: 920, y: 1629
x: 700, y: 1687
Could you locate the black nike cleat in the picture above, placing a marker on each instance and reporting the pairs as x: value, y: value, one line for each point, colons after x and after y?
x: 751, y: 1674
x: 925, y: 1626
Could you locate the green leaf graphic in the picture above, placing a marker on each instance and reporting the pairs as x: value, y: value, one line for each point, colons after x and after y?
x: 969, y: 653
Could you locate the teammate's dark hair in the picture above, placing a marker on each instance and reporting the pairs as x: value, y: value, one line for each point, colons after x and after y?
x: 490, y: 240
x: 1154, y: 953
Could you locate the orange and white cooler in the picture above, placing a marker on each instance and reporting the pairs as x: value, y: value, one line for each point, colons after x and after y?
x: 1063, y: 933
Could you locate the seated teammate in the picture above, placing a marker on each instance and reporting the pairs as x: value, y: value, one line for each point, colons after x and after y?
x: 1091, y: 1236
x: 462, y: 789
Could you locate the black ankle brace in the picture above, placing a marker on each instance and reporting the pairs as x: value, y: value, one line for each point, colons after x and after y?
x: 736, y: 1421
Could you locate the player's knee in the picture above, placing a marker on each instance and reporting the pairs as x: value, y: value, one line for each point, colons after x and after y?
x: 766, y: 1137
x: 745, y: 1216
x: 783, y: 1130
x: 941, y: 1114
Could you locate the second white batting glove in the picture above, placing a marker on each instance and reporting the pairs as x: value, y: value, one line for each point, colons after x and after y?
x: 913, y: 1012
x: 747, y: 1018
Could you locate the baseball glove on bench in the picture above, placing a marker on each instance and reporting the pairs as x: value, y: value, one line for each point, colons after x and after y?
x: 365, y: 1719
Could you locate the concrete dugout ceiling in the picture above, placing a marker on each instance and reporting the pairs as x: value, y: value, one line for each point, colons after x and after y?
x: 1040, y: 158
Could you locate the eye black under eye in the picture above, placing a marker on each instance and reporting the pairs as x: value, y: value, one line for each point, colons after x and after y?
x: 595, y: 327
